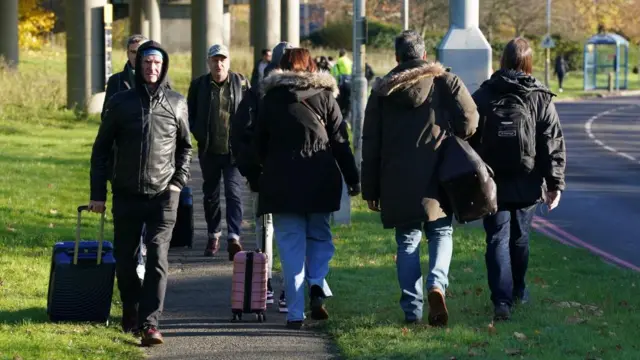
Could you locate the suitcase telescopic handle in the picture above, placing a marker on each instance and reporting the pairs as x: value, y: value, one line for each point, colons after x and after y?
x: 100, y: 235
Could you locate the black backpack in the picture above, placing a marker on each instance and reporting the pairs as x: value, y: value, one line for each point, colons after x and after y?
x: 508, y: 143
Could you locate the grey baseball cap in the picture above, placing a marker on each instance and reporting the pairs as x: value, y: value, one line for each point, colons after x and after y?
x: 218, y: 50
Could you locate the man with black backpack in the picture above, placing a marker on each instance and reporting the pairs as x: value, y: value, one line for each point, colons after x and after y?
x: 520, y: 138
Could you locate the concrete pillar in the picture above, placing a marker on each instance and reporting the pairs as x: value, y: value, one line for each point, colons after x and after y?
x: 257, y: 21
x: 136, y: 18
x: 206, y: 29
x: 271, y: 22
x: 9, y: 31
x: 85, y: 54
x: 226, y: 22
x: 464, y: 48
x: 151, y: 11
x: 291, y: 21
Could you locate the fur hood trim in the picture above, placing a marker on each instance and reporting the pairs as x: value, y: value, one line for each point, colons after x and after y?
x: 393, y: 82
x: 300, y: 81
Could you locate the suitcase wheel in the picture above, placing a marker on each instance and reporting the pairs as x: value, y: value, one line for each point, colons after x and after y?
x: 262, y: 317
x: 237, y: 316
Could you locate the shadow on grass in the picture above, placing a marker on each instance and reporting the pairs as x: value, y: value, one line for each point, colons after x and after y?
x: 37, y: 315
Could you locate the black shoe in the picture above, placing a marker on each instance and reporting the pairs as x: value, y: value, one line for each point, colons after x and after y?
x: 318, y: 311
x: 522, y: 298
x: 502, y: 312
x: 295, y: 325
x: 130, y: 319
x: 413, y: 321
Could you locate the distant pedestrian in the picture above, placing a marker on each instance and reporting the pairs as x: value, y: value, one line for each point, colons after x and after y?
x: 258, y: 69
x: 560, y: 70
x: 213, y: 100
x: 521, y: 139
x: 302, y: 146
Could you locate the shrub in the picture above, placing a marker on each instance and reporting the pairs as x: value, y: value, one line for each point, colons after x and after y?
x: 34, y: 23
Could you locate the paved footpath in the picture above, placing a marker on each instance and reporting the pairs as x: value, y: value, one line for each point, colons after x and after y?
x: 196, y: 323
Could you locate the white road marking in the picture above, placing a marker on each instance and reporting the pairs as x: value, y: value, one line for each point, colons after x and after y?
x: 588, y: 129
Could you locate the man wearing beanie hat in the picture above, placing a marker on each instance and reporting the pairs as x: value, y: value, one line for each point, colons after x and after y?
x: 213, y: 100
x: 149, y: 125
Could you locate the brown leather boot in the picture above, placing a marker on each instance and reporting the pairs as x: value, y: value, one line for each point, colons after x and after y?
x: 213, y: 245
x: 438, y: 314
x: 233, y: 247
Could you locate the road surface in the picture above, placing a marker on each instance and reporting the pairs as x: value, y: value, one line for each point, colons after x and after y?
x: 601, y: 208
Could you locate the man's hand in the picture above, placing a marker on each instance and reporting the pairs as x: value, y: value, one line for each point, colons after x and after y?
x: 174, y: 188
x: 96, y: 206
x: 374, y: 205
x: 354, y: 190
x: 553, y: 199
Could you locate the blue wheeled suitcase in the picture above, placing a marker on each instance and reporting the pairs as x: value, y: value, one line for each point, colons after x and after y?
x: 81, y: 278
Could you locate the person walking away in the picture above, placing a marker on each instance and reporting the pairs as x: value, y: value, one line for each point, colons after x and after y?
x: 521, y: 139
x: 560, y: 70
x: 242, y: 132
x: 258, y: 70
x: 342, y: 72
x: 406, y: 116
x: 303, y: 149
x: 213, y: 99
x: 149, y: 124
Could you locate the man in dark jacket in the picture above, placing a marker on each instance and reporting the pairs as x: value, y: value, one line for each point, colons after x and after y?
x: 528, y: 160
x: 407, y: 115
x: 213, y: 100
x: 258, y: 69
x: 149, y: 124
x: 125, y: 79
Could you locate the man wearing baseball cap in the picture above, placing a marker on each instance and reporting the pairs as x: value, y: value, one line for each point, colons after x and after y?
x: 213, y: 100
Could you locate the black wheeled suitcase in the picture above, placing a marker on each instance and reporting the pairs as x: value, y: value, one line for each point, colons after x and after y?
x: 183, y: 229
x: 81, y: 278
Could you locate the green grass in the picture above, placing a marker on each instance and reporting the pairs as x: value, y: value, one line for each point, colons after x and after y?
x: 582, y: 307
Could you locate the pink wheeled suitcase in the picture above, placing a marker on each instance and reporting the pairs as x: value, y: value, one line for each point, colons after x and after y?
x: 249, y: 285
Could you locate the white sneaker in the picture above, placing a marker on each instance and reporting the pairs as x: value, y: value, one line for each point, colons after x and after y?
x: 270, y: 297
x: 282, y: 304
x: 140, y: 271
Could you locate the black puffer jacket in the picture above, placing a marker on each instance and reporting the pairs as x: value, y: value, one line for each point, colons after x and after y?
x: 302, y: 156
x: 242, y: 133
x: 550, y: 158
x: 151, y: 133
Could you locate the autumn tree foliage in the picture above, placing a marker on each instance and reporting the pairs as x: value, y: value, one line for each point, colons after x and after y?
x: 34, y: 23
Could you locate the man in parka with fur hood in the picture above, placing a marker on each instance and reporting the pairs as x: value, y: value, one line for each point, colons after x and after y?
x: 407, y: 115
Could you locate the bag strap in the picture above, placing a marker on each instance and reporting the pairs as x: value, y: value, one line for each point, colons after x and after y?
x: 315, y: 114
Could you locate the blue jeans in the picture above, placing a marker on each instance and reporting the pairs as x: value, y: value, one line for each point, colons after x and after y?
x: 214, y: 168
x: 305, y: 247
x: 439, y: 235
x: 507, y: 255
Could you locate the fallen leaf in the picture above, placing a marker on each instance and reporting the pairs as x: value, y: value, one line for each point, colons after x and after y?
x: 633, y: 284
x: 618, y: 347
x: 539, y: 280
x: 623, y: 303
x: 519, y: 336
x: 611, y: 333
x: 17, y: 357
x: 1, y: 282
x: 478, y: 291
x: 492, y: 329
x: 472, y: 353
x: 49, y: 186
x: 564, y: 258
x: 468, y: 270
x: 513, y: 352
x: 448, y: 330
x: 537, y: 332
x: 575, y: 320
x: 51, y: 225
x: 10, y: 229
x: 453, y: 358
x: 53, y: 211
x: 405, y: 331
x: 466, y: 292
x: 395, y: 258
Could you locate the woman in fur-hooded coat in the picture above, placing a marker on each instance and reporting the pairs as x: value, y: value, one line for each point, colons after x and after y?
x: 302, y: 144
